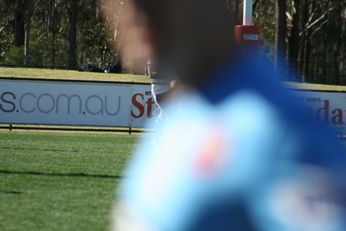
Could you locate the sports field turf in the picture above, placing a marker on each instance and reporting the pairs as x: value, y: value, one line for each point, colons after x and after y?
x: 19, y: 72
x: 59, y: 180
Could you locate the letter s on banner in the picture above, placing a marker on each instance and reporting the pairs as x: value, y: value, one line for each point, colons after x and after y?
x: 138, y: 106
x: 142, y: 105
x: 5, y: 100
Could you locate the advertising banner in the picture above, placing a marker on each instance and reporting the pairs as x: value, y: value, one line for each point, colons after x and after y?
x: 328, y: 106
x: 87, y: 103
x: 74, y: 103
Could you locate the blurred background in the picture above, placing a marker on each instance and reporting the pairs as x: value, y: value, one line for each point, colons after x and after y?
x: 76, y: 34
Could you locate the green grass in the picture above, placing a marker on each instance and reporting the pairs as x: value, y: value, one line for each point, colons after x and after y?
x: 59, y: 180
x: 312, y: 86
x: 17, y: 72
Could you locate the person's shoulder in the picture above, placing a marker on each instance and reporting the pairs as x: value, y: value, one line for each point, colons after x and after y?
x: 252, y: 121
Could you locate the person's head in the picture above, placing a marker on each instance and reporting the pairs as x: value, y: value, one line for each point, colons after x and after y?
x: 188, y: 37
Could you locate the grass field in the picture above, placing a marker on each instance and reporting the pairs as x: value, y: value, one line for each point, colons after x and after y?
x: 11, y: 72
x: 59, y: 180
x: 19, y: 72
x: 321, y: 87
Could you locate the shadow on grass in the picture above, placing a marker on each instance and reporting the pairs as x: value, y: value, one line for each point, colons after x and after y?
x: 37, y: 149
x: 61, y: 174
x: 11, y: 192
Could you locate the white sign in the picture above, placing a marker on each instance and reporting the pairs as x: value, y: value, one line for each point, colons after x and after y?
x: 74, y: 103
x: 117, y: 104
x: 328, y: 107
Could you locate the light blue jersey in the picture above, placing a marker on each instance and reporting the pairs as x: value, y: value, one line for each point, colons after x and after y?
x: 237, y: 154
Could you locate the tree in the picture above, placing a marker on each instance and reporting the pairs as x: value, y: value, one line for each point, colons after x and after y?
x: 280, y: 35
x: 234, y: 8
x: 28, y: 17
x: 19, y: 16
x: 7, y: 9
x: 304, y: 40
x: 72, y: 34
x: 294, y: 40
x: 311, y: 34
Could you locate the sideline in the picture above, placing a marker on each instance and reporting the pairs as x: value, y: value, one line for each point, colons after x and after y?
x: 11, y: 127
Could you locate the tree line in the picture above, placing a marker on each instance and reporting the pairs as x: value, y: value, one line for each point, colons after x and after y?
x: 309, y: 38
x: 302, y: 36
x: 53, y: 33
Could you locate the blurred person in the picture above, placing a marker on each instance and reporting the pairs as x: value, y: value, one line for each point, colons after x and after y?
x: 238, y: 153
x: 161, y: 86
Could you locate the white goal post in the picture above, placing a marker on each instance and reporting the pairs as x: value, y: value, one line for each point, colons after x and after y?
x: 247, y: 12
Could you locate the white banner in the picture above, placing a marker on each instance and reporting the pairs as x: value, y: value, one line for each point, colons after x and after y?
x: 117, y: 104
x: 75, y: 103
x: 329, y: 107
